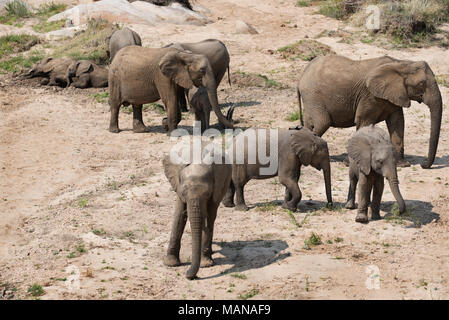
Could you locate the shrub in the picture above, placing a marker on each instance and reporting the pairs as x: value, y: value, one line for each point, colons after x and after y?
x: 17, y: 8
x: 90, y: 44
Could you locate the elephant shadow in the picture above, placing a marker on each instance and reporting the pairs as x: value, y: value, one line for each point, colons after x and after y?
x: 439, y: 163
x: 247, y: 255
x: 186, y: 130
x: 304, y: 206
x: 240, y: 104
x: 339, y: 157
x: 418, y: 213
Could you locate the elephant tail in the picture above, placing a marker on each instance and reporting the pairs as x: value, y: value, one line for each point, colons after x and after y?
x: 229, y: 77
x: 114, y: 90
x: 300, y: 106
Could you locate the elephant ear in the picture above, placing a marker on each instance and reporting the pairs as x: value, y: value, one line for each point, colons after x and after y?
x: 385, y: 82
x: 84, y: 66
x: 360, y: 151
x: 137, y: 39
x: 173, y: 66
x: 172, y: 171
x: 46, y: 67
x: 303, y: 147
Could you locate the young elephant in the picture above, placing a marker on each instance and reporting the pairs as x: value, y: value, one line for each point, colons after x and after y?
x: 371, y: 157
x: 199, y: 189
x: 200, y: 106
x: 87, y: 74
x: 52, y: 70
x: 123, y: 38
x: 295, y: 147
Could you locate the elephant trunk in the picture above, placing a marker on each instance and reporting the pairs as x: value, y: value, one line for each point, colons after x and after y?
x: 394, y: 187
x: 210, y: 84
x: 432, y: 98
x: 196, y: 226
x: 29, y: 74
x: 327, y: 181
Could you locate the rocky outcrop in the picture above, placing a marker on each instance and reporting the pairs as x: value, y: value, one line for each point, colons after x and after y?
x: 135, y: 12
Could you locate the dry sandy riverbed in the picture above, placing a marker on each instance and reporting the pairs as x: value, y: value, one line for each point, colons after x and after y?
x: 78, y: 199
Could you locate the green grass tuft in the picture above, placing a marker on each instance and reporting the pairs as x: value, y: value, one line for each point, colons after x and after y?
x: 313, y: 240
x: 36, y: 290
x: 18, y: 9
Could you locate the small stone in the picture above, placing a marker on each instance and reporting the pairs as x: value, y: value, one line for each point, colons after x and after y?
x: 243, y: 27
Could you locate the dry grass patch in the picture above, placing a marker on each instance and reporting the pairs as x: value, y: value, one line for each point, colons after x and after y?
x: 305, y: 50
x: 90, y: 44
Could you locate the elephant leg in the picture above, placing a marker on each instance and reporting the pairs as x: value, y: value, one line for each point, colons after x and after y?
x: 52, y: 81
x: 395, y: 125
x: 138, y: 125
x: 228, y: 200
x: 208, y: 233
x: 179, y: 222
x: 82, y: 82
x: 113, y: 123
x: 350, y: 204
x: 45, y: 81
x: 378, y: 189
x: 288, y: 196
x: 239, y: 197
x: 292, y: 185
x: 173, y: 111
x: 182, y: 102
x: 365, y: 186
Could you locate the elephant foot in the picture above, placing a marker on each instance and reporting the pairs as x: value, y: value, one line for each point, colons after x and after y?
x: 228, y: 203
x: 191, y: 275
x: 165, y: 124
x: 288, y: 206
x: 139, y: 127
x: 402, y: 163
x: 361, y: 217
x: 206, y: 262
x: 114, y: 129
x: 375, y: 215
x: 350, y: 205
x: 171, y: 260
x: 241, y: 207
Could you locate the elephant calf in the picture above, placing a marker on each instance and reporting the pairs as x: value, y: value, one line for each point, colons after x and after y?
x: 201, y: 107
x: 52, y: 70
x: 371, y: 158
x: 295, y: 147
x: 199, y: 188
x: 86, y: 74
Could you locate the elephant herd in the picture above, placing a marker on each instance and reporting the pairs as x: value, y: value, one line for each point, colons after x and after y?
x: 333, y: 91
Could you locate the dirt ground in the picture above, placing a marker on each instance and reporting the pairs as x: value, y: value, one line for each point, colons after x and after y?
x: 87, y: 214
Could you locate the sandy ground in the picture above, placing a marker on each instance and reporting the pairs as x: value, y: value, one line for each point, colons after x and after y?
x: 87, y: 214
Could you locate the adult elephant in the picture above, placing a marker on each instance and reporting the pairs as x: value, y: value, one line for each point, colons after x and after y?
x: 140, y: 75
x: 123, y: 38
x: 217, y: 54
x: 339, y: 92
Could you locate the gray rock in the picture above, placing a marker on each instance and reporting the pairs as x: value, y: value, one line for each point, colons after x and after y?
x: 243, y: 27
